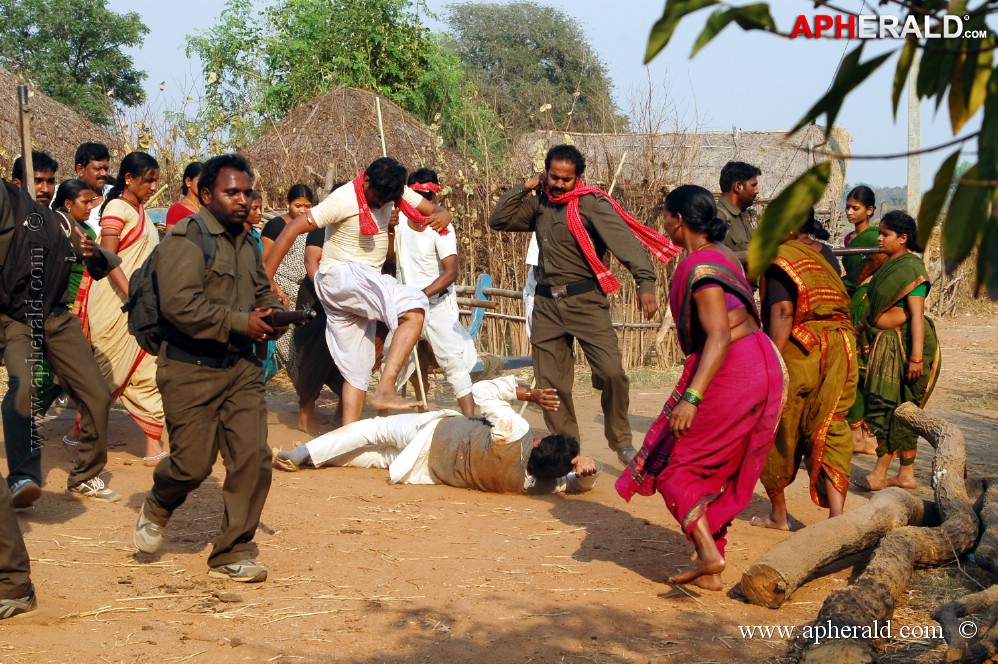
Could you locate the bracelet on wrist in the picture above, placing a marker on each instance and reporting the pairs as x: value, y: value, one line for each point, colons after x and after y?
x: 693, y: 397
x: 915, y: 360
x: 528, y: 395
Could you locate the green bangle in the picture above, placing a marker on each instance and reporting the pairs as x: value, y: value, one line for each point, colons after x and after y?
x: 691, y: 396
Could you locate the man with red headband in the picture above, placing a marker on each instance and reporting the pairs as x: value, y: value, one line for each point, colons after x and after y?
x: 351, y: 287
x: 428, y: 261
x: 576, y: 225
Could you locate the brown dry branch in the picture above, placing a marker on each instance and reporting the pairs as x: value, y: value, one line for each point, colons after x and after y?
x: 966, y: 644
x: 872, y: 597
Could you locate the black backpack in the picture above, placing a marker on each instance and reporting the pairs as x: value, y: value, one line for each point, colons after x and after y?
x: 142, y: 305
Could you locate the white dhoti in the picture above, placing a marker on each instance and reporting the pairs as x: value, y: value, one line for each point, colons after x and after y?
x: 400, y: 443
x: 356, y: 297
x: 452, y: 346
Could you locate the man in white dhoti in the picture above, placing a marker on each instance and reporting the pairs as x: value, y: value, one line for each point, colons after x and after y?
x: 428, y: 261
x: 351, y: 287
x: 496, y: 453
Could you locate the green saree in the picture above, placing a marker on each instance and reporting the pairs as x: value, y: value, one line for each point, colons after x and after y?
x: 886, y: 385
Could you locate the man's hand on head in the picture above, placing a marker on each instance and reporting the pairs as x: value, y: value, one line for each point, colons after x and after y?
x: 536, y: 182
x: 584, y: 465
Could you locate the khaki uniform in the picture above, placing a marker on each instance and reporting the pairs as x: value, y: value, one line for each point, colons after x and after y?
x: 15, y: 565
x: 211, y: 381
x: 585, y: 315
x: 740, y: 227
x: 37, y: 324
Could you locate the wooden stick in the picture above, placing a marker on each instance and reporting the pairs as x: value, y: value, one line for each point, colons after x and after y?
x: 616, y: 173
x: 28, y: 181
x: 414, y: 355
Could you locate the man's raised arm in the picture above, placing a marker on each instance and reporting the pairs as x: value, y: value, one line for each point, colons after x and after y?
x: 303, y: 223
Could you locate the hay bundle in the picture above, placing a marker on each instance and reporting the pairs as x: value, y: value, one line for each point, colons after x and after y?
x: 55, y: 129
x: 332, y: 137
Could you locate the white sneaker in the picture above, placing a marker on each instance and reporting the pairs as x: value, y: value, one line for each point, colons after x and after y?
x: 96, y: 489
x: 148, y: 536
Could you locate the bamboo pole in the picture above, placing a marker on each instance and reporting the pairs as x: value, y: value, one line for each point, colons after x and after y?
x: 28, y: 183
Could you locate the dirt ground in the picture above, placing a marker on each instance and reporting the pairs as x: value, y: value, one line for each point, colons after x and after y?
x: 364, y: 571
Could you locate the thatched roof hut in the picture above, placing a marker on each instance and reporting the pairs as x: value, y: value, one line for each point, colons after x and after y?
x: 334, y: 136
x: 697, y: 158
x: 55, y: 129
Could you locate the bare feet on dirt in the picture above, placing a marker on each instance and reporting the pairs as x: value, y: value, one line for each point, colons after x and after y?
x: 769, y: 522
x: 902, y: 482
x: 702, y: 567
x: 392, y: 402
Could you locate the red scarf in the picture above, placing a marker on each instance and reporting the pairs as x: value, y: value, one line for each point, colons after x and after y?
x: 660, y: 246
x: 368, y: 226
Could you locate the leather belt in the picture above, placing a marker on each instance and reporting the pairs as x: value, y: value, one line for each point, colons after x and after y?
x: 226, y: 361
x: 559, y: 292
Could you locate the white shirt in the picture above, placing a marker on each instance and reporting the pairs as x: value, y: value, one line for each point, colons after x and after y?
x: 420, y: 253
x: 533, y: 251
x: 340, y: 215
x: 492, y: 397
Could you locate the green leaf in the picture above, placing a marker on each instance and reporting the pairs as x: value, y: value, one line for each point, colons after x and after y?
x: 936, y: 68
x: 674, y: 12
x: 851, y: 73
x: 987, y: 142
x: 932, y: 202
x: 716, y: 22
x: 965, y: 220
x: 987, y: 254
x: 901, y: 73
x: 785, y: 214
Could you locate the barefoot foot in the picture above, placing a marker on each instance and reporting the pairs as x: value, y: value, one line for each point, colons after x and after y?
x: 768, y: 522
x: 700, y: 567
x: 709, y: 582
x: 392, y: 402
x: 904, y: 483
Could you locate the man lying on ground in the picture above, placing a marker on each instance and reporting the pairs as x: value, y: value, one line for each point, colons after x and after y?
x: 492, y: 453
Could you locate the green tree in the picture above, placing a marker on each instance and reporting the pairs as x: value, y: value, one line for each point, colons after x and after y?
x: 959, y: 71
x: 71, y: 49
x: 527, y: 57
x: 259, y: 66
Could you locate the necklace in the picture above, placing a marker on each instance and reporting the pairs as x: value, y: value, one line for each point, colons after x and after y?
x: 704, y: 245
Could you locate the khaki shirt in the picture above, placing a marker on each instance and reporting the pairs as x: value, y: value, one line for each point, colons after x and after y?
x: 212, y: 307
x: 561, y: 262
x: 739, y: 225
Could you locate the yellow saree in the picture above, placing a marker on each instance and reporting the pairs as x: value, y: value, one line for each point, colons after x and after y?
x: 821, y: 362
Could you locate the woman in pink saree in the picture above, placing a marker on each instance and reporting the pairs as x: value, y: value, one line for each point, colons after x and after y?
x: 705, y: 451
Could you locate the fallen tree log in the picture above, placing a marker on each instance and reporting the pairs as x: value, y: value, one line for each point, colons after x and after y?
x: 872, y: 598
x: 986, y: 553
x: 771, y: 580
x: 966, y: 643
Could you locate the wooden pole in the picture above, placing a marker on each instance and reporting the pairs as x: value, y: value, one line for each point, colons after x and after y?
x: 414, y: 355
x: 616, y: 173
x: 28, y: 181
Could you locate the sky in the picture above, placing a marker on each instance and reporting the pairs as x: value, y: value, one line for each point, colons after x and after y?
x: 751, y: 81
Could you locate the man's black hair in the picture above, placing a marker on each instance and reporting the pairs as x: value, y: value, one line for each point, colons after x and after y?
x: 566, y: 152
x: 421, y: 175
x: 386, y: 177
x: 552, y: 458
x: 40, y: 161
x: 211, y: 168
x: 737, y: 171
x: 88, y: 152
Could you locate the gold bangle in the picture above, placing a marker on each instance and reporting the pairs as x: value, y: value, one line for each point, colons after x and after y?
x: 915, y: 360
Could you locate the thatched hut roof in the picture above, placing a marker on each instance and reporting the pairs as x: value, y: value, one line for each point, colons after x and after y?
x: 334, y: 136
x: 697, y: 157
x: 55, y: 128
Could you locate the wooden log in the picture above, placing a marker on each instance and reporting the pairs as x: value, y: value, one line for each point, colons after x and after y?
x: 986, y: 553
x: 872, y: 597
x: 771, y: 580
x: 471, y: 302
x: 966, y: 644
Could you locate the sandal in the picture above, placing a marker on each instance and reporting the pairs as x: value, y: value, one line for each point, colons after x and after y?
x: 152, y: 461
x: 281, y: 463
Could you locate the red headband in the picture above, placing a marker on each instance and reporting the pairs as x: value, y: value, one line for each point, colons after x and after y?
x: 426, y: 187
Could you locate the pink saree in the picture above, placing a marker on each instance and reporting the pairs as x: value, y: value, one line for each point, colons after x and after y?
x: 713, y: 470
